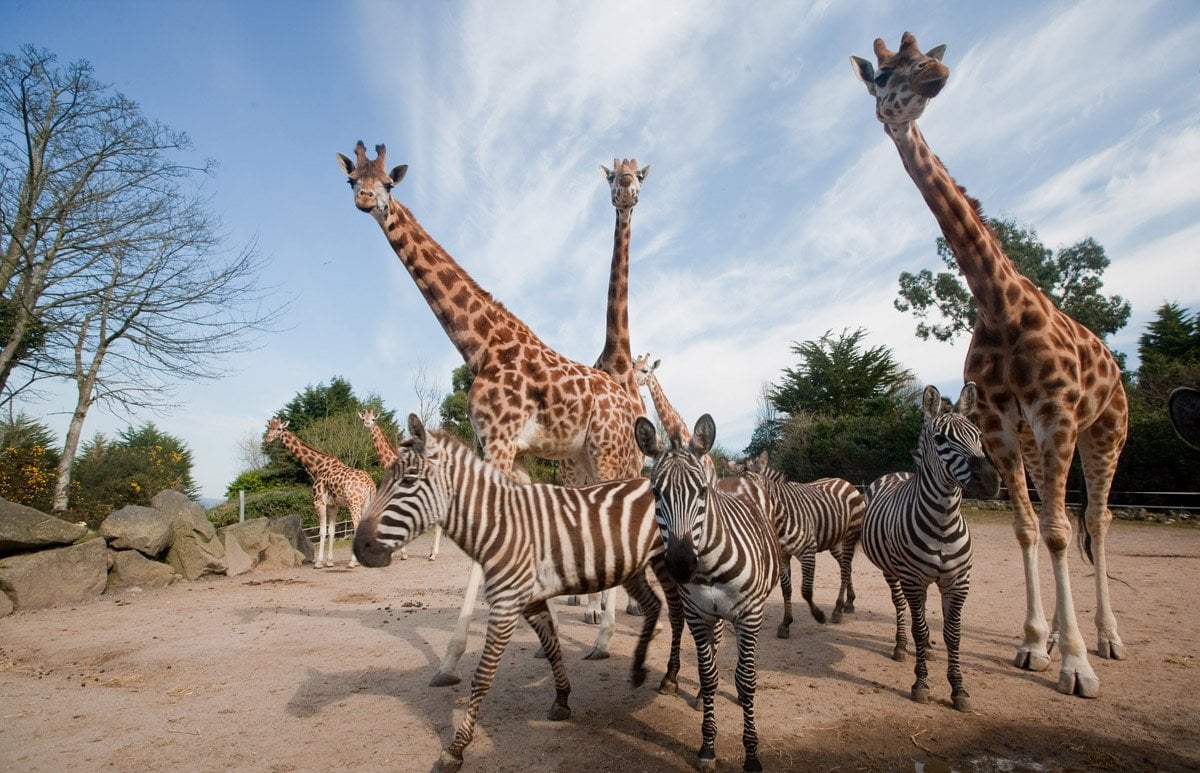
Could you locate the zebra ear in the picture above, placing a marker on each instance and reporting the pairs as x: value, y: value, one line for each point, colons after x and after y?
x: 931, y: 401
x: 703, y: 436
x: 416, y: 431
x: 647, y: 436
x: 967, y: 399
x: 763, y: 460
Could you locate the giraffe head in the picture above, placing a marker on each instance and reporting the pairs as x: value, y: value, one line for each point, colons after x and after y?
x: 371, y: 181
x: 275, y: 428
x: 625, y: 181
x: 952, y: 447
x: 905, y: 81
x: 643, y: 370
x: 368, y: 418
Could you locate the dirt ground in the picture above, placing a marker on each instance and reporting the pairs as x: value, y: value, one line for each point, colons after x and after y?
x: 312, y: 669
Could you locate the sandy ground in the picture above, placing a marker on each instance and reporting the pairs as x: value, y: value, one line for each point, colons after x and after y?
x: 311, y: 669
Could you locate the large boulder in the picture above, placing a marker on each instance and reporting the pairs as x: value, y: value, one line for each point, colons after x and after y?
x: 180, y: 509
x: 55, y: 576
x: 237, y: 559
x: 147, y: 530
x: 131, y: 569
x: 193, y: 556
x: 6, y: 605
x: 253, y: 535
x: 23, y: 529
x: 280, y: 554
x: 290, y: 527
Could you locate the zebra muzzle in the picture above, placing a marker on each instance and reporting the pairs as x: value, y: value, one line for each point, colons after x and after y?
x: 680, y: 559
x: 370, y: 551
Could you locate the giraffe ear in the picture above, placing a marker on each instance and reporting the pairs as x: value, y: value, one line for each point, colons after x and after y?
x: 643, y: 173
x: 865, y: 71
x: 647, y: 436
x: 416, y: 431
x: 703, y: 435
x: 654, y: 367
x: 931, y: 401
x: 346, y: 164
x: 762, y: 460
x: 937, y: 52
x: 398, y: 173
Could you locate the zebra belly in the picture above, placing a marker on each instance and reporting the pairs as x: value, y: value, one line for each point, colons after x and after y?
x: 719, y: 600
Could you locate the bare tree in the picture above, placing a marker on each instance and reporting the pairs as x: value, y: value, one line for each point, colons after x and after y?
x: 428, y: 392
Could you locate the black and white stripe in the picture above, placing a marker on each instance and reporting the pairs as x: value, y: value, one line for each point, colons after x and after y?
x: 534, y: 542
x: 723, y: 552
x: 915, y: 533
x: 811, y: 518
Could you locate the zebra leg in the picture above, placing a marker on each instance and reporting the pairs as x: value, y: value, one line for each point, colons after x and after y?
x: 702, y: 633
x: 746, y: 678
x: 501, y: 623
x: 808, y: 568
x: 539, y: 618
x: 640, y: 591
x: 916, y: 605
x: 447, y: 673
x: 845, y: 600
x: 670, y: 681
x: 898, y: 654
x: 953, y: 599
x: 785, y: 587
x: 437, y: 542
x: 631, y: 606
x: 607, y: 617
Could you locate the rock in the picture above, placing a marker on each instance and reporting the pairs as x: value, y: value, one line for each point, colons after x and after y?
x: 131, y: 569
x: 290, y: 527
x: 6, y: 605
x: 251, y: 535
x: 280, y: 554
x: 144, y: 529
x: 192, y: 554
x: 237, y: 559
x: 55, y: 576
x: 23, y: 528
x: 181, y: 509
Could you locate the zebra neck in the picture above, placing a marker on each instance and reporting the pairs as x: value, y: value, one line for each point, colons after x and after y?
x: 939, y: 497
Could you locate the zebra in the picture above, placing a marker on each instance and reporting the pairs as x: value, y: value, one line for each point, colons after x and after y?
x: 810, y: 518
x: 534, y: 542
x: 1183, y: 406
x: 915, y: 533
x: 723, y: 553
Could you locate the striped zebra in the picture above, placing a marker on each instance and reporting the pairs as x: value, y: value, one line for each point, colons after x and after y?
x: 811, y: 518
x: 722, y: 551
x: 915, y: 533
x: 534, y: 542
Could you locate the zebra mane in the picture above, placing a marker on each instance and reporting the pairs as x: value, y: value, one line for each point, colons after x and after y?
x: 456, y: 448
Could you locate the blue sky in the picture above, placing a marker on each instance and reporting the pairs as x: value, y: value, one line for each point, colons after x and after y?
x: 776, y: 209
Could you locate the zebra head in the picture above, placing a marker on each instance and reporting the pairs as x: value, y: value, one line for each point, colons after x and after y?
x: 952, y: 446
x: 681, y: 483
x: 412, y: 497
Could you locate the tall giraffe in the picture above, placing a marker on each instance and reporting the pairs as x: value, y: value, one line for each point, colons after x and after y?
x: 525, y: 396
x: 625, y: 185
x: 387, y: 456
x: 334, y: 484
x: 1046, y: 383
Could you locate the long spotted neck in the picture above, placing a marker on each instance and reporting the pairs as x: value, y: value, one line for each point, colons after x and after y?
x: 671, y: 420
x: 383, y: 447
x: 616, y: 358
x: 476, y: 323
x: 987, y: 270
x: 311, y: 458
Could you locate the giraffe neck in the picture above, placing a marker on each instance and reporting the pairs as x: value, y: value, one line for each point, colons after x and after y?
x: 616, y: 358
x: 383, y: 447
x: 671, y: 420
x: 308, y: 456
x: 989, y: 273
x: 476, y: 323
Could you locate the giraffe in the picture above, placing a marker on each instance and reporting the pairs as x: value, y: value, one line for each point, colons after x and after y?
x: 334, y: 484
x: 673, y: 424
x: 1047, y: 384
x: 525, y: 396
x: 387, y: 456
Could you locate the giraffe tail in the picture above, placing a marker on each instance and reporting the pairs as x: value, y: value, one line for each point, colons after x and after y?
x: 1085, y: 539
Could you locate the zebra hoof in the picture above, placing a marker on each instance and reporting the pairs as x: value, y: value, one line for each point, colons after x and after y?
x: 920, y: 694
x: 783, y: 632
x: 637, y: 677
x: 899, y: 655
x: 962, y: 701
x: 559, y: 712
x: 540, y: 654
x: 753, y: 765
x: 633, y: 608
x: 836, y: 617
x: 668, y: 686
x: 597, y: 654
x: 442, y: 679
x: 706, y: 760
x: 447, y: 763
x: 818, y: 615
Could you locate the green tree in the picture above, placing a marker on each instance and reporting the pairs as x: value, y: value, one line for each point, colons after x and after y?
x: 837, y: 376
x: 1169, y: 353
x: 455, y: 411
x: 130, y: 470
x: 28, y: 462
x: 1071, y: 278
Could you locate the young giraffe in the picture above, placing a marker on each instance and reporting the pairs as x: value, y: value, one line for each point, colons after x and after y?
x: 525, y: 397
x: 1046, y: 383
x: 387, y: 457
x: 334, y: 484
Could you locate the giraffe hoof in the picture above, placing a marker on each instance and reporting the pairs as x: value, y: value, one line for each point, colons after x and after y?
x: 1075, y: 683
x: 442, y: 679
x: 591, y: 618
x: 573, y: 601
x: 597, y: 654
x: 962, y: 701
x: 1113, y: 649
x: 1031, y: 660
x: 447, y: 763
x: 783, y: 632
x: 432, y: 557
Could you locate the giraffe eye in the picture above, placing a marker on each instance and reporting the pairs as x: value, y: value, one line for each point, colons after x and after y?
x: 882, y: 78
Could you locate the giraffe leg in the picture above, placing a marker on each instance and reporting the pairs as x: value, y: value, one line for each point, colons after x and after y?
x: 595, y: 608
x: 1098, y: 451
x: 447, y: 673
x: 608, y: 623
x: 437, y: 542
x: 355, y: 514
x: 501, y: 623
x: 319, y: 505
x: 953, y: 598
x: 785, y: 589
